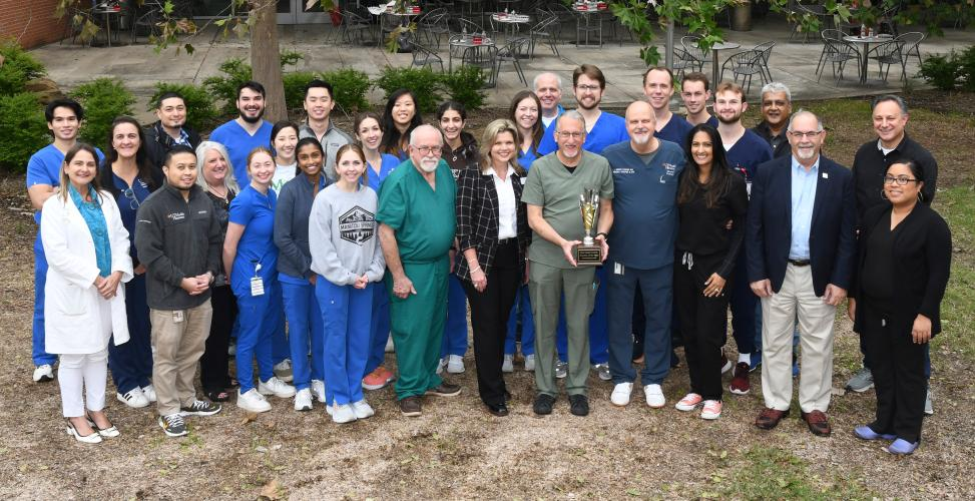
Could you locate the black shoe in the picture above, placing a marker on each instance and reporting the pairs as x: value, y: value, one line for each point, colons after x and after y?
x: 543, y: 404
x: 200, y: 408
x: 579, y: 405
x: 445, y: 390
x: 499, y: 410
x: 411, y: 407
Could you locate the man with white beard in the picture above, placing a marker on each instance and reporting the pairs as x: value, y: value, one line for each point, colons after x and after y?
x: 645, y: 171
x: 417, y: 222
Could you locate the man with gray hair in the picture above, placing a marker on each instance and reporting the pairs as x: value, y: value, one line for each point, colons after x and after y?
x: 552, y: 192
x: 776, y: 110
x: 548, y: 88
x: 417, y: 222
x: 800, y: 266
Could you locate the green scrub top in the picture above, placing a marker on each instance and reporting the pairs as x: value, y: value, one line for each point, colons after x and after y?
x: 424, y: 219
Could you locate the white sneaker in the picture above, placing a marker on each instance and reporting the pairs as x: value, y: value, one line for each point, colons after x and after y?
x: 282, y: 371
x: 455, y: 364
x: 509, y: 363
x: 149, y: 392
x: 276, y: 387
x: 621, y: 394
x: 655, y: 396
x: 318, y: 389
x: 441, y: 366
x: 362, y: 409
x: 134, y: 398
x: 389, y: 345
x: 252, y: 401
x: 530, y: 362
x: 43, y: 373
x: 232, y: 348
x: 303, y: 400
x: 343, y: 414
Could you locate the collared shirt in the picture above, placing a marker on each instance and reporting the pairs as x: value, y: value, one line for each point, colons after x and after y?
x: 870, y: 166
x: 507, y: 207
x: 779, y: 143
x: 803, y: 201
x: 184, y: 139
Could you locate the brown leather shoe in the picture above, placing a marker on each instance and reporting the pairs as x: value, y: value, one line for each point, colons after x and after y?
x: 410, y: 406
x: 445, y: 390
x: 818, y: 423
x: 769, y: 418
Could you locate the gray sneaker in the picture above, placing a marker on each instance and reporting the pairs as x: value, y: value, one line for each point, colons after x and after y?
x: 861, y: 381
x: 603, y: 371
x: 561, y: 369
x: 928, y: 406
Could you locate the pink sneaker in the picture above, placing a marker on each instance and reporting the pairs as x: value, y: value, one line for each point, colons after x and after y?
x: 712, y: 409
x: 690, y: 402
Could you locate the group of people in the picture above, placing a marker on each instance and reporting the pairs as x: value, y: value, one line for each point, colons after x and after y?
x: 151, y: 259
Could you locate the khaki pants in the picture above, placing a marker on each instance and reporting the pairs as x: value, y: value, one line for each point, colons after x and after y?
x: 178, y: 341
x: 816, y: 341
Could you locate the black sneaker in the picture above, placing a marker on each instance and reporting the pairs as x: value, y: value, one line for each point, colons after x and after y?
x: 445, y: 390
x: 173, y: 425
x: 410, y: 406
x: 543, y: 404
x: 200, y: 408
x: 579, y: 405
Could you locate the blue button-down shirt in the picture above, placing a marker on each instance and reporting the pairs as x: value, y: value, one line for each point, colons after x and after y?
x: 803, y: 201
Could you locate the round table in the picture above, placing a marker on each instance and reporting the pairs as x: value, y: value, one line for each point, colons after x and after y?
x: 585, y: 12
x: 463, y: 42
x: 512, y: 21
x: 714, y: 58
x: 866, y: 41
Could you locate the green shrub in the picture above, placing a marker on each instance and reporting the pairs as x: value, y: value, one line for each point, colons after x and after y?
x: 103, y: 99
x: 200, y: 113
x: 23, y: 130
x: 423, y: 82
x: 966, y: 68
x: 466, y: 86
x: 941, y: 71
x: 18, y: 67
x: 294, y: 88
x: 224, y: 88
x: 351, y: 87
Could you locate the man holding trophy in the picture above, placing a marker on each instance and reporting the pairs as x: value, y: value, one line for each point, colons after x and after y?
x: 569, y: 195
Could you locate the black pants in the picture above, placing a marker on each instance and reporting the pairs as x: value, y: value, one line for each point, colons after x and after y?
x: 898, y: 374
x: 489, y: 318
x: 214, y: 363
x: 702, y: 322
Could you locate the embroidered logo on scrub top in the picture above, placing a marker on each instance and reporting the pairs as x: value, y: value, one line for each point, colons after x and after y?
x: 357, y: 225
x: 176, y: 216
x: 669, y: 171
x: 624, y: 171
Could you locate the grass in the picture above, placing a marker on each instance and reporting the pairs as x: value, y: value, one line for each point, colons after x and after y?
x: 774, y: 473
x: 957, y: 206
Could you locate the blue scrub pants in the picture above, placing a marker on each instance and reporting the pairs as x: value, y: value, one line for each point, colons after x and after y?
x: 280, y: 348
x: 521, y: 313
x: 746, y: 325
x: 598, y: 326
x: 40, y: 356
x: 379, y: 329
x: 259, y: 317
x: 455, y: 330
x: 305, y: 325
x: 657, y: 288
x: 347, y: 311
x: 131, y: 363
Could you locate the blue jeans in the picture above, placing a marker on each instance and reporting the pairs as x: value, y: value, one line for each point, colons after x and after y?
x: 305, y: 327
x: 347, y: 331
x: 131, y: 363
x: 455, y: 330
x: 598, y: 326
x: 259, y: 317
x: 521, y: 312
x: 657, y: 288
x: 40, y: 356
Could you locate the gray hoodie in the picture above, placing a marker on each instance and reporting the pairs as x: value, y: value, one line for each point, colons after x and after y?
x: 344, y: 236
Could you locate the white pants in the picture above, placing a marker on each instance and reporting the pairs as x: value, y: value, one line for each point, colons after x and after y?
x: 89, y: 372
x: 816, y: 340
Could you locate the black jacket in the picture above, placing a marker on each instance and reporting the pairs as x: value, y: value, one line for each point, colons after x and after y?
x: 177, y: 239
x: 870, y: 166
x: 922, y: 265
x: 158, y: 143
x: 780, y: 147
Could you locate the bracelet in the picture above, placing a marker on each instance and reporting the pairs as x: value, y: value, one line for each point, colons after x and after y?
x: 474, y: 270
x: 604, y: 234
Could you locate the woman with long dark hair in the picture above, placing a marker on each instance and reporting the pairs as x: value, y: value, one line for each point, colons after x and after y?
x: 708, y: 196
x: 904, y: 261
x: 400, y: 117
x: 130, y: 177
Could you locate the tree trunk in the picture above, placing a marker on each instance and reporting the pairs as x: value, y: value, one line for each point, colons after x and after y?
x: 266, y: 58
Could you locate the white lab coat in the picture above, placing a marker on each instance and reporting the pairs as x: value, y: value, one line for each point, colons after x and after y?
x: 74, y: 312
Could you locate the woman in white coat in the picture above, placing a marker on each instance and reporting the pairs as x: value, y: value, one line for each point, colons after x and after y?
x: 88, y: 255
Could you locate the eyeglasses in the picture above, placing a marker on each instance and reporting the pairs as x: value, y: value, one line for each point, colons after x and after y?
x: 802, y: 135
x: 900, y: 180
x: 133, y: 201
x: 588, y: 88
x: 426, y: 150
x: 572, y: 135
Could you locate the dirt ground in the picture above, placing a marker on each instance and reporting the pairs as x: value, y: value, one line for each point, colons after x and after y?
x: 456, y: 450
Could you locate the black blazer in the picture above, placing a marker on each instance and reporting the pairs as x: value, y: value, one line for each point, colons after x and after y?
x: 922, y: 265
x: 477, y: 219
x: 832, y: 243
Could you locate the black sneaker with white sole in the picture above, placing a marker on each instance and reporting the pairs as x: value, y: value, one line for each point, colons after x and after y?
x: 173, y: 425
x: 200, y: 408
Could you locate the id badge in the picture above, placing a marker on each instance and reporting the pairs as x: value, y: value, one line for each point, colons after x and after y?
x: 257, y: 283
x: 748, y: 189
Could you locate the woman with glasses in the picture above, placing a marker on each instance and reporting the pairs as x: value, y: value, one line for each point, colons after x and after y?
x: 217, y: 180
x: 129, y: 177
x: 904, y: 261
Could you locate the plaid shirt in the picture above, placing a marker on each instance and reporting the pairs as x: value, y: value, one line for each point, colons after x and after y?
x: 477, y: 219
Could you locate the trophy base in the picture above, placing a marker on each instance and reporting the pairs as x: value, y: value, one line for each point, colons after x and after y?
x: 589, y: 255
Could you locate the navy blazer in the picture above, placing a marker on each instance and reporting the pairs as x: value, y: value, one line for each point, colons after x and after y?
x: 832, y: 242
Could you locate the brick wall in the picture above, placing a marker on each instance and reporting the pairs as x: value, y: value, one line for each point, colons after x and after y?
x: 30, y: 21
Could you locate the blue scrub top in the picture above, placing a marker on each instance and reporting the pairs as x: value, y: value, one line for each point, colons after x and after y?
x: 44, y: 167
x: 240, y: 144
x: 675, y: 131
x: 526, y: 158
x: 747, y: 154
x: 129, y: 199
x: 608, y: 129
x: 390, y: 162
x: 255, y: 212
